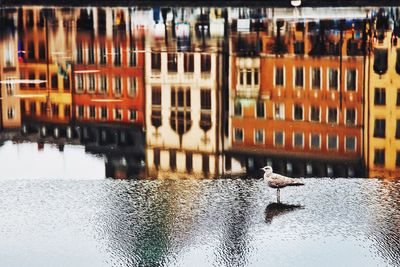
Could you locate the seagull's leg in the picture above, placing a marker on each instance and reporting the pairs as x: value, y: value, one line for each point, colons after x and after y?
x: 278, y: 195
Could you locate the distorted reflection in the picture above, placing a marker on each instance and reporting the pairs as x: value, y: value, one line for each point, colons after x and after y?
x: 277, y: 209
x: 205, y: 92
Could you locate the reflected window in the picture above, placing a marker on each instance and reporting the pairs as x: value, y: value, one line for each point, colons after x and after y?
x: 117, y: 86
x: 43, y: 108
x: 315, y: 141
x: 31, y: 77
x: 205, y: 164
x: 380, y: 97
x: 299, y: 77
x: 31, y: 50
x: 279, y: 111
x: 332, y: 115
x: 156, y: 158
x: 172, y: 62
x: 66, y: 83
x: 316, y: 78
x: 42, y: 51
x: 314, y: 114
x: 333, y: 79
x: 298, y: 139
x: 67, y: 111
x: 256, y: 78
x: 42, y: 76
x: 350, y: 116
x: 172, y: 160
x: 79, y: 53
x: 397, y: 129
x: 79, y: 83
x: 238, y: 134
x: 350, y: 143
x: 205, y: 99
x: 103, y: 84
x: 156, y: 61
x: 92, y: 112
x: 259, y: 136
x: 379, y: 157
x: 279, y: 138
x: 54, y: 109
x: 238, y: 108
x: 32, y: 108
x: 132, y: 114
x: 298, y: 112
x: 117, y: 54
x: 279, y: 76
x: 260, y: 109
x: 80, y: 111
x: 103, y: 113
x: 398, y: 98
x: 397, y: 158
x: 156, y: 96
x: 11, y: 113
x: 379, y: 128
x: 90, y: 53
x: 102, y: 54
x: 380, y: 61
x: 189, y: 162
x: 180, y: 117
x: 351, y: 75
x: 132, y: 55
x: 91, y: 85
x: 299, y: 47
x: 132, y: 89
x: 332, y: 142
x: 205, y: 63
x: 54, y: 81
x: 188, y: 63
x: 117, y: 114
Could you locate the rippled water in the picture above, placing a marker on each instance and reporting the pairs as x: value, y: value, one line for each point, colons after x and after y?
x: 340, y: 222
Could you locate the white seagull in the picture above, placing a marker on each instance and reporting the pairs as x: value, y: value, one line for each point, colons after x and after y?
x: 278, y: 181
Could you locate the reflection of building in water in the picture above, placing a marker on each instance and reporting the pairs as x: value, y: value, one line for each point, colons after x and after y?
x: 383, y: 100
x: 298, y: 103
x: 45, y: 47
x: 182, y: 101
x: 10, y: 112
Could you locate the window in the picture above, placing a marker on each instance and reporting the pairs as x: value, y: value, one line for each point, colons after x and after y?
x: 103, y: 113
x: 298, y: 140
x: 117, y: 86
x: 43, y: 108
x: 379, y: 129
x: 316, y: 78
x: 379, y: 157
x: 117, y: 114
x: 54, y: 81
x: 238, y: 134
x: 332, y: 142
x: 205, y: 99
x: 298, y: 112
x: 31, y: 77
x: 205, y: 63
x: 90, y: 53
x: 279, y: 138
x: 10, y: 113
x: 156, y: 96
x: 380, y: 97
x: 172, y: 160
x: 332, y: 115
x: 156, y: 61
x: 172, y: 62
x: 79, y: 83
x: 42, y: 51
x: 156, y: 157
x: 42, y: 77
x: 79, y: 53
x: 398, y: 98
x: 315, y: 141
x: 180, y: 116
x: 132, y: 114
x: 66, y: 83
x: 67, y: 111
x: 92, y: 112
x: 238, y: 108
x: 350, y: 116
x: 80, y: 111
x: 260, y: 109
x: 117, y: 54
x: 350, y: 143
x: 351, y: 80
x: 256, y: 79
x: 103, y: 84
x: 102, y: 54
x: 91, y: 86
x: 132, y: 55
x: 32, y: 108
x: 133, y: 83
x: 333, y: 79
x: 314, y: 114
x: 279, y: 111
x: 397, y: 158
x: 188, y: 62
x: 279, y: 76
x: 54, y: 109
x: 299, y: 77
x: 259, y: 136
x: 189, y: 162
x: 397, y: 129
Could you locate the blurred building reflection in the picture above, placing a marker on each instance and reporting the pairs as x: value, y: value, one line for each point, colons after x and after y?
x: 207, y: 91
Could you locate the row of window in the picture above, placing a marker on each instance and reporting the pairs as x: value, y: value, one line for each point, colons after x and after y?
x: 316, y: 74
x: 380, y: 128
x: 379, y: 157
x: 91, y: 82
x: 181, y: 97
x: 188, y: 161
x: 43, y: 85
x: 101, y: 54
x: 188, y: 62
x: 298, y: 113
x: 93, y: 112
x: 380, y: 97
x: 298, y: 139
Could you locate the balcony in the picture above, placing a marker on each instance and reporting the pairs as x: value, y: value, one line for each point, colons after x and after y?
x: 247, y: 91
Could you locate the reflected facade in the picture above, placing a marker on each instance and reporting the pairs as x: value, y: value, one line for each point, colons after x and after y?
x: 207, y: 92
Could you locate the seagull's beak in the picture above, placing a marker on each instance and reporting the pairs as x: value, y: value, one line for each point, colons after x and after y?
x: 261, y: 168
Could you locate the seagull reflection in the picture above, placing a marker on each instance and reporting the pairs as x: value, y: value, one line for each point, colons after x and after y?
x: 276, y: 209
